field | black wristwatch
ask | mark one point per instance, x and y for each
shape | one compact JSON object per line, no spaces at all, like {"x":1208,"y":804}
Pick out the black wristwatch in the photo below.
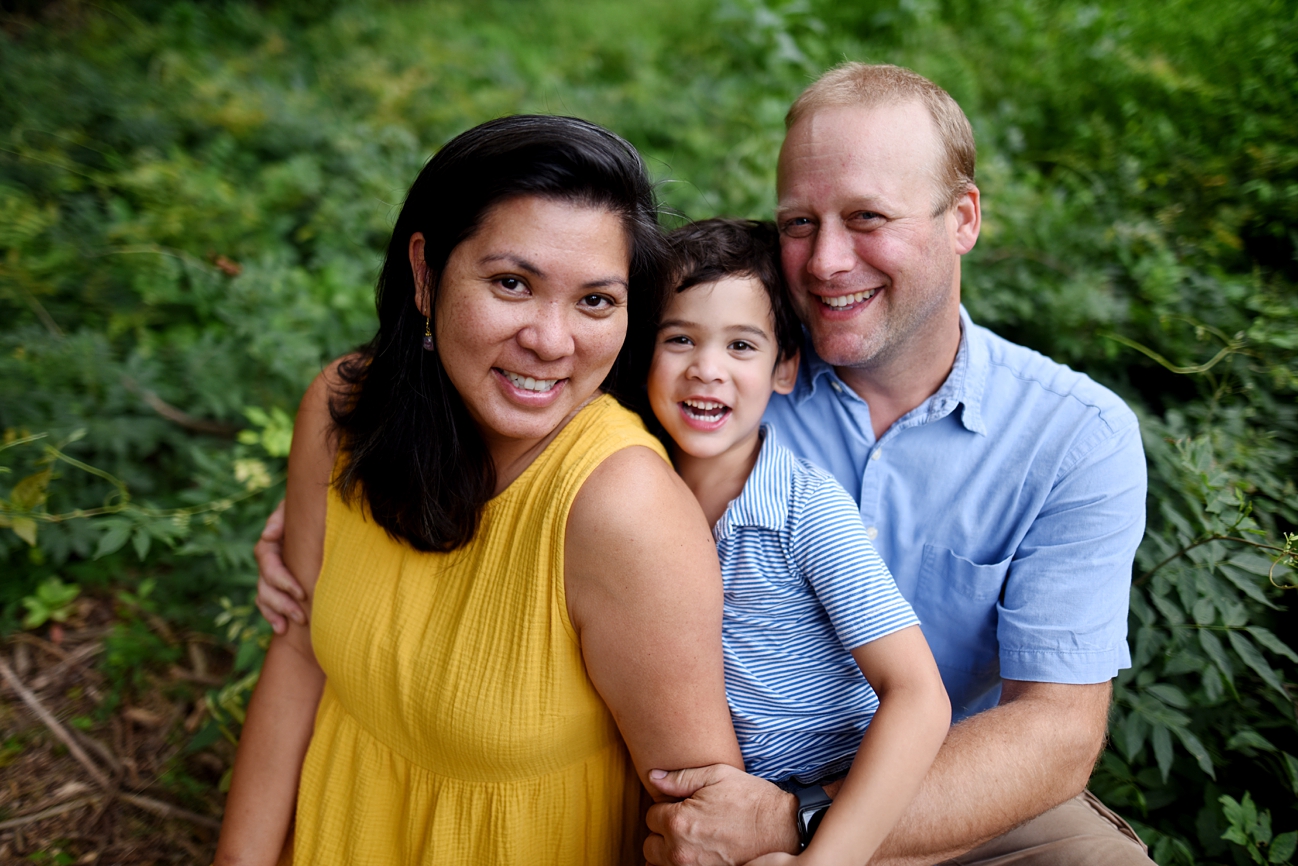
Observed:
{"x":813,"y":803}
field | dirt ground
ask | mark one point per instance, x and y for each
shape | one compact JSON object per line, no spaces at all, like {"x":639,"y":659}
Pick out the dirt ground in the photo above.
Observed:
{"x":103,"y":772}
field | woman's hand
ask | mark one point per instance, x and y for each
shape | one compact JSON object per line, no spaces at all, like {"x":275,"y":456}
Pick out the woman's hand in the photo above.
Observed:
{"x":278,"y":592}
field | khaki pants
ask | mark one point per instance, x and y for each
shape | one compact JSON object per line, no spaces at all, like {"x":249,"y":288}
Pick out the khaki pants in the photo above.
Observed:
{"x":1081,"y":832}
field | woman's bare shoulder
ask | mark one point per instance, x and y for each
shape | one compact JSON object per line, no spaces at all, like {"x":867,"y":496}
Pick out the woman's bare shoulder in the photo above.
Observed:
{"x":636,"y":493}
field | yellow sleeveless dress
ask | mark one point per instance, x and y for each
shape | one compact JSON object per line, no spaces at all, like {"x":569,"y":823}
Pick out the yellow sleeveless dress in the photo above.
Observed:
{"x":457,"y":724}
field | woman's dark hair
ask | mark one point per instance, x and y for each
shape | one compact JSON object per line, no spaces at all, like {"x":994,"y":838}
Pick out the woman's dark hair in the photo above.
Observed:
{"x":711,"y":250}
{"x":408,"y":443}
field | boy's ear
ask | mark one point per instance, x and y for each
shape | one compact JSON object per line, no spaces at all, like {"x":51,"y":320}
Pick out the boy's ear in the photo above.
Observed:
{"x":786,"y":374}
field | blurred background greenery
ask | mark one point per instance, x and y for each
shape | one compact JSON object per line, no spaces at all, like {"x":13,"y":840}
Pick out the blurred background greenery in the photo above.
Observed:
{"x":194,"y":198}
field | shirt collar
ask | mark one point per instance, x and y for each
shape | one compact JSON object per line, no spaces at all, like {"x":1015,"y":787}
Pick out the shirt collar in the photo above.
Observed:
{"x":963,"y":386}
{"x":764,"y":501}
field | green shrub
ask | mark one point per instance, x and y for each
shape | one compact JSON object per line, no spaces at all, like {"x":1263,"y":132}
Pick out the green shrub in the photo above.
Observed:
{"x":194,"y":199}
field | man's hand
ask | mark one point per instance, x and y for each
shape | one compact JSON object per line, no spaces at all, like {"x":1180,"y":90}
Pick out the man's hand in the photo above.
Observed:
{"x":729,"y":817}
{"x":278,"y":592}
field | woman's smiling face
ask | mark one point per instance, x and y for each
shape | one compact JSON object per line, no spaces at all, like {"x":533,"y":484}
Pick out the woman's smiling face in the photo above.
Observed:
{"x":531,"y":312}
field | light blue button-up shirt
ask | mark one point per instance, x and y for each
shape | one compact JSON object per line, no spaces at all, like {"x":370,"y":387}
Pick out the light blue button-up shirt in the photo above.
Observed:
{"x":1008,"y":506}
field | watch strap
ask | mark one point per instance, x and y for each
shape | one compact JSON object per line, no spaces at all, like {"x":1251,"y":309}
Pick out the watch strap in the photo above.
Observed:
{"x":813,"y":802}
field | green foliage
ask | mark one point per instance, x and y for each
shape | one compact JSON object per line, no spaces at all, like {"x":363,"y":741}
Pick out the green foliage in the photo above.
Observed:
{"x":195,"y":198}
{"x":51,"y":601}
{"x":1251,"y":830}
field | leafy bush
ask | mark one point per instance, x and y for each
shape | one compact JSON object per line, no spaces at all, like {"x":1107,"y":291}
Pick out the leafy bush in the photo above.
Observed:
{"x":194,"y":198}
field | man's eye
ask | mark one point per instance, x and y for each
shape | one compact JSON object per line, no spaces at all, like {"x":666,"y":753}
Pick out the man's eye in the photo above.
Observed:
{"x":797,"y":227}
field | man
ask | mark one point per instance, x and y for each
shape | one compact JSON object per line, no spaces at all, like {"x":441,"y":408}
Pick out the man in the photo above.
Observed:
{"x":1005,"y":493}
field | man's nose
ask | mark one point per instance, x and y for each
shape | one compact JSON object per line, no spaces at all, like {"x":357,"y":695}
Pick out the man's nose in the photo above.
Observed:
{"x":548,"y":335}
{"x":832,"y":252}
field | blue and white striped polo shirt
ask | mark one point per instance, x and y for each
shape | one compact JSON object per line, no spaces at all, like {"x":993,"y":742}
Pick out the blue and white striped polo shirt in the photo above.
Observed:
{"x":803,"y":587}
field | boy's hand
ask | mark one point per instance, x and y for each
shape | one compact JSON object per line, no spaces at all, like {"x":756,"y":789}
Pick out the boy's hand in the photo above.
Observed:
{"x":278,"y":592}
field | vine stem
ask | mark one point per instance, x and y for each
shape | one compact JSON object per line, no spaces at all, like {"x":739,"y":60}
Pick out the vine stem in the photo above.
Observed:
{"x":1202,"y":541}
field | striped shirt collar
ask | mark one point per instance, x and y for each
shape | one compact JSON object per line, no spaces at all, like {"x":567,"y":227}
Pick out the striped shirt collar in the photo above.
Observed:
{"x":963,"y":386}
{"x":764,"y":501}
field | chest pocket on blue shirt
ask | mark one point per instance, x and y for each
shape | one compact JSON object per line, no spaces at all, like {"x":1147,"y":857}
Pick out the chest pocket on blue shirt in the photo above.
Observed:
{"x":955,"y":600}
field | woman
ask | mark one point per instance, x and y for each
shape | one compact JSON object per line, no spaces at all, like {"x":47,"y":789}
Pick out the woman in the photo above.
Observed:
{"x":512,"y":582}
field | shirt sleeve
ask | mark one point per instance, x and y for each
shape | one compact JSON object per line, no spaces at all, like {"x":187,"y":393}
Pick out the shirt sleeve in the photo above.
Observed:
{"x":835,"y":556}
{"x":1062,"y":616}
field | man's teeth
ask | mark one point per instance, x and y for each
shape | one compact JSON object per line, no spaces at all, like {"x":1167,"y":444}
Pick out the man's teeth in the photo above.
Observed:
{"x":848,"y":300}
{"x":704,"y":410}
{"x":527,"y":383}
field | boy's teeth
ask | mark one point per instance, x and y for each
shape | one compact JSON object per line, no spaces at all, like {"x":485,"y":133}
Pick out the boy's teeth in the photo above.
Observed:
{"x":527,"y":383}
{"x":704,"y":410}
{"x":848,"y":300}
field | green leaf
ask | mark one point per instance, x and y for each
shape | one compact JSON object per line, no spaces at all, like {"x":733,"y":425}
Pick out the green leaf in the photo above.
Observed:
{"x":1249,"y":738}
{"x":1162,"y":742}
{"x":1282,"y":849}
{"x":31,"y":492}
{"x":1291,"y":765}
{"x":116,"y":534}
{"x":141,"y":540}
{"x":1169,"y":694}
{"x":1194,"y":746}
{"x":1255,"y":660}
{"x":1271,"y":642}
{"x":24,"y":528}
{"x":1212,"y":646}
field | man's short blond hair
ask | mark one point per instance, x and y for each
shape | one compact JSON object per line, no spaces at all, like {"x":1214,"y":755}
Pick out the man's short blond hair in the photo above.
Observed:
{"x":869,"y":85}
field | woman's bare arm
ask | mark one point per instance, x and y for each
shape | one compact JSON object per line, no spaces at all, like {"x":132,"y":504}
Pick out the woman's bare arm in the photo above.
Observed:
{"x":644,"y":595}
{"x":281,"y":714}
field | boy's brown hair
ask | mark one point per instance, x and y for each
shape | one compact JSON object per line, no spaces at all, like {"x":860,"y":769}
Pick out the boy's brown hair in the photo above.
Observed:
{"x":713,"y":249}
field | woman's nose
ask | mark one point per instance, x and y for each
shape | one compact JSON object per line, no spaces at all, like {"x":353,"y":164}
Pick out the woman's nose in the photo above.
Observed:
{"x":548,"y":335}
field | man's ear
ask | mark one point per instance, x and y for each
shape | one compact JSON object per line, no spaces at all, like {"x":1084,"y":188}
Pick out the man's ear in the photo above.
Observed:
{"x":786,"y":374}
{"x":968,"y":215}
{"x":419,"y":269}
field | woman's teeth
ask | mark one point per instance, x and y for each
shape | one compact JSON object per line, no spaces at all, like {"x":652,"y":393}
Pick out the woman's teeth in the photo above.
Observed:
{"x":848,"y":300}
{"x":704,"y":410}
{"x":527,"y":383}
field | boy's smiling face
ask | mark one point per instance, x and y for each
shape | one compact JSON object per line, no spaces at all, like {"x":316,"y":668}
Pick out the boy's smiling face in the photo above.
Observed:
{"x":715,"y":366}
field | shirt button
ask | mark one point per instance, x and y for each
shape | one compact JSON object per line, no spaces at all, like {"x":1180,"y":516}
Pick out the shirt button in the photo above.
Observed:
{"x":875,"y":455}
{"x":872,"y":533}
{"x":838,"y":389}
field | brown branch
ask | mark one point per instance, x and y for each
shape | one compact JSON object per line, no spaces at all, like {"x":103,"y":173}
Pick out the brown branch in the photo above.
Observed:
{"x":179,"y":416}
{"x":1184,"y":550}
{"x":73,"y":659}
{"x":166,"y":810}
{"x":74,"y":748}
{"x":52,"y":812}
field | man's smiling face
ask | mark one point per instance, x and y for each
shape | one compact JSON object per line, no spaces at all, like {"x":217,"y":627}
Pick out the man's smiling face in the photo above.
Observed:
{"x":872,"y":270}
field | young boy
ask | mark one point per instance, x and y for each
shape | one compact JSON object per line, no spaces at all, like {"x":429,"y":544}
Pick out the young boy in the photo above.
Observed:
{"x":809,"y":605}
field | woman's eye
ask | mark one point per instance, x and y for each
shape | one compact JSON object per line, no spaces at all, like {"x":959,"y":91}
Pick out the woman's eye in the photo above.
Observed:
{"x":511,"y":284}
{"x":597,"y":302}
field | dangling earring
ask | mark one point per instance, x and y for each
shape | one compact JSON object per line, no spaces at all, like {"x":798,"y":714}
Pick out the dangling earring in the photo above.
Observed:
{"x":428,"y":334}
